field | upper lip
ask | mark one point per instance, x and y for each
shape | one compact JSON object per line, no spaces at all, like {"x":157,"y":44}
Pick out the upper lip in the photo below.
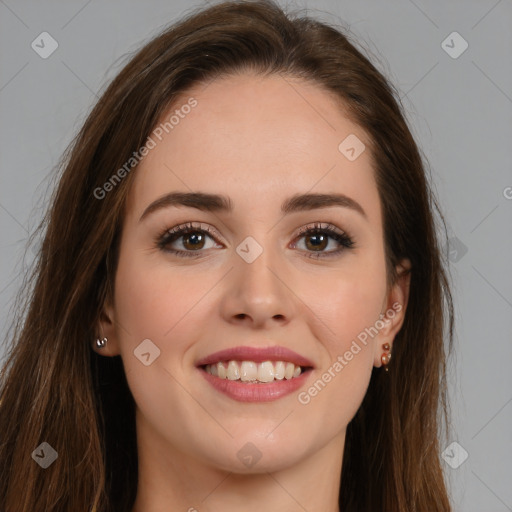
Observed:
{"x":257,"y":355}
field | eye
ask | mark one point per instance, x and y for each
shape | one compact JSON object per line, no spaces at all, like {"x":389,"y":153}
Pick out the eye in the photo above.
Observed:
{"x":193,"y":239}
{"x":319,"y":235}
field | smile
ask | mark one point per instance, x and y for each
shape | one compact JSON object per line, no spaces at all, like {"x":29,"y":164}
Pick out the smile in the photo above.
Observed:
{"x":249,"y":371}
{"x":255,"y":374}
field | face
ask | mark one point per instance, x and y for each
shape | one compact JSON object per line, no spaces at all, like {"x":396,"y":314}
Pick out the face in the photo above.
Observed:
{"x":304,"y":284}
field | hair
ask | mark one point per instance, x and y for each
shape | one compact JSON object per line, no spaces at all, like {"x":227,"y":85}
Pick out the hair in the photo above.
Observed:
{"x":55,"y":388}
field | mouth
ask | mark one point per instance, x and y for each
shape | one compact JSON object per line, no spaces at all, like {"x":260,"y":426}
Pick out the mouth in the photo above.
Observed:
{"x":248,"y":374}
{"x":255,"y":373}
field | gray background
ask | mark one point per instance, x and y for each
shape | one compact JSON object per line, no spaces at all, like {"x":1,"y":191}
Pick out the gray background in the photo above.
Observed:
{"x":460,"y":110}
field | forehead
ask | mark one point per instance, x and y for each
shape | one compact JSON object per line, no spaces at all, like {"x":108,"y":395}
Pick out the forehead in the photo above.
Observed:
{"x":256,"y":139}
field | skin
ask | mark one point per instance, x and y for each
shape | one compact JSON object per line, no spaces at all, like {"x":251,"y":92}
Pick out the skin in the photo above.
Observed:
{"x":258,"y":140}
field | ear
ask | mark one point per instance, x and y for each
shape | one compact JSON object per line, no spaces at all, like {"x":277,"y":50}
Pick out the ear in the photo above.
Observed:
{"x":393,"y":312}
{"x":107,"y":329}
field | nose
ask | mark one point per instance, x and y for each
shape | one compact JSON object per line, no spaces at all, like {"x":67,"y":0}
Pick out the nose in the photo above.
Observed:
{"x":257,"y":293}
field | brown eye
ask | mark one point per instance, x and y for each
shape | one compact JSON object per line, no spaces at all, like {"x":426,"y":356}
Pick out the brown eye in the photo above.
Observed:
{"x":189,"y":241}
{"x":193,"y":240}
{"x":317,"y":239}
{"x":185,"y":240}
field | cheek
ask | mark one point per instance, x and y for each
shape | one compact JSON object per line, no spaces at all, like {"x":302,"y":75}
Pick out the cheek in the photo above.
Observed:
{"x":349,"y":304}
{"x":151,"y":305}
{"x":152,"y":300}
{"x":351,"y":308}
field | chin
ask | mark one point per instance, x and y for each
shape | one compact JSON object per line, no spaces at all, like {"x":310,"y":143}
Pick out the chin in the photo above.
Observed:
{"x":255,"y":454}
{"x":268,"y":463}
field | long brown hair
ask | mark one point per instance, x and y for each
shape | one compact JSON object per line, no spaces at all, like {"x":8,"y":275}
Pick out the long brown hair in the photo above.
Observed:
{"x":56,"y":389}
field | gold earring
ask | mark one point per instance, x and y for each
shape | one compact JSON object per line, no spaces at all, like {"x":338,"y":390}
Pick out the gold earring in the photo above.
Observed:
{"x":386,"y":356}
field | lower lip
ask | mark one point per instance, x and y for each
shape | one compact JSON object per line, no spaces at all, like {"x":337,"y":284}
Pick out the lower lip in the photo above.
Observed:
{"x":249,"y":392}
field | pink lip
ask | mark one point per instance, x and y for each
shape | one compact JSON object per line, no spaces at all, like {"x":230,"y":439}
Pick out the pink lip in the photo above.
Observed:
{"x":258,"y":355}
{"x":256,"y":392}
{"x":248,"y":392}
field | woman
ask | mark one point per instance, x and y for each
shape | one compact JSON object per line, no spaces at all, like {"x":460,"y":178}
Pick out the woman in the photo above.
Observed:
{"x":240,"y":298}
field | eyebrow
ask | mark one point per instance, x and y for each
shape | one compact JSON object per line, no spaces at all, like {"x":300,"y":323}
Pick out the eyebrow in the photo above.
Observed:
{"x":219,"y":203}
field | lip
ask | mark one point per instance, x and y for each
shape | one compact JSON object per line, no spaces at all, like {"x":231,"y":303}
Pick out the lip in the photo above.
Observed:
{"x":257,"y":355}
{"x":263,"y":392}
{"x":256,"y":392}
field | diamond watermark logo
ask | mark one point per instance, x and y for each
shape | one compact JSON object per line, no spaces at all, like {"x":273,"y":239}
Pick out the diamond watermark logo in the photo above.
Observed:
{"x":249,"y":249}
{"x":44,"y":45}
{"x":456,"y":249}
{"x":351,"y":147}
{"x":454,"y":455}
{"x":44,"y":455}
{"x":146,"y":352}
{"x":249,"y":455}
{"x":454,"y":45}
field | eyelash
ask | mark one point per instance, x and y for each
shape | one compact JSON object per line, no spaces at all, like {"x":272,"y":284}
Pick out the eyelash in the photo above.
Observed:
{"x":170,"y":235}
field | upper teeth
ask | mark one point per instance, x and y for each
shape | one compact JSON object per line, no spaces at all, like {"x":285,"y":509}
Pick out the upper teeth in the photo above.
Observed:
{"x":250,"y":371}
